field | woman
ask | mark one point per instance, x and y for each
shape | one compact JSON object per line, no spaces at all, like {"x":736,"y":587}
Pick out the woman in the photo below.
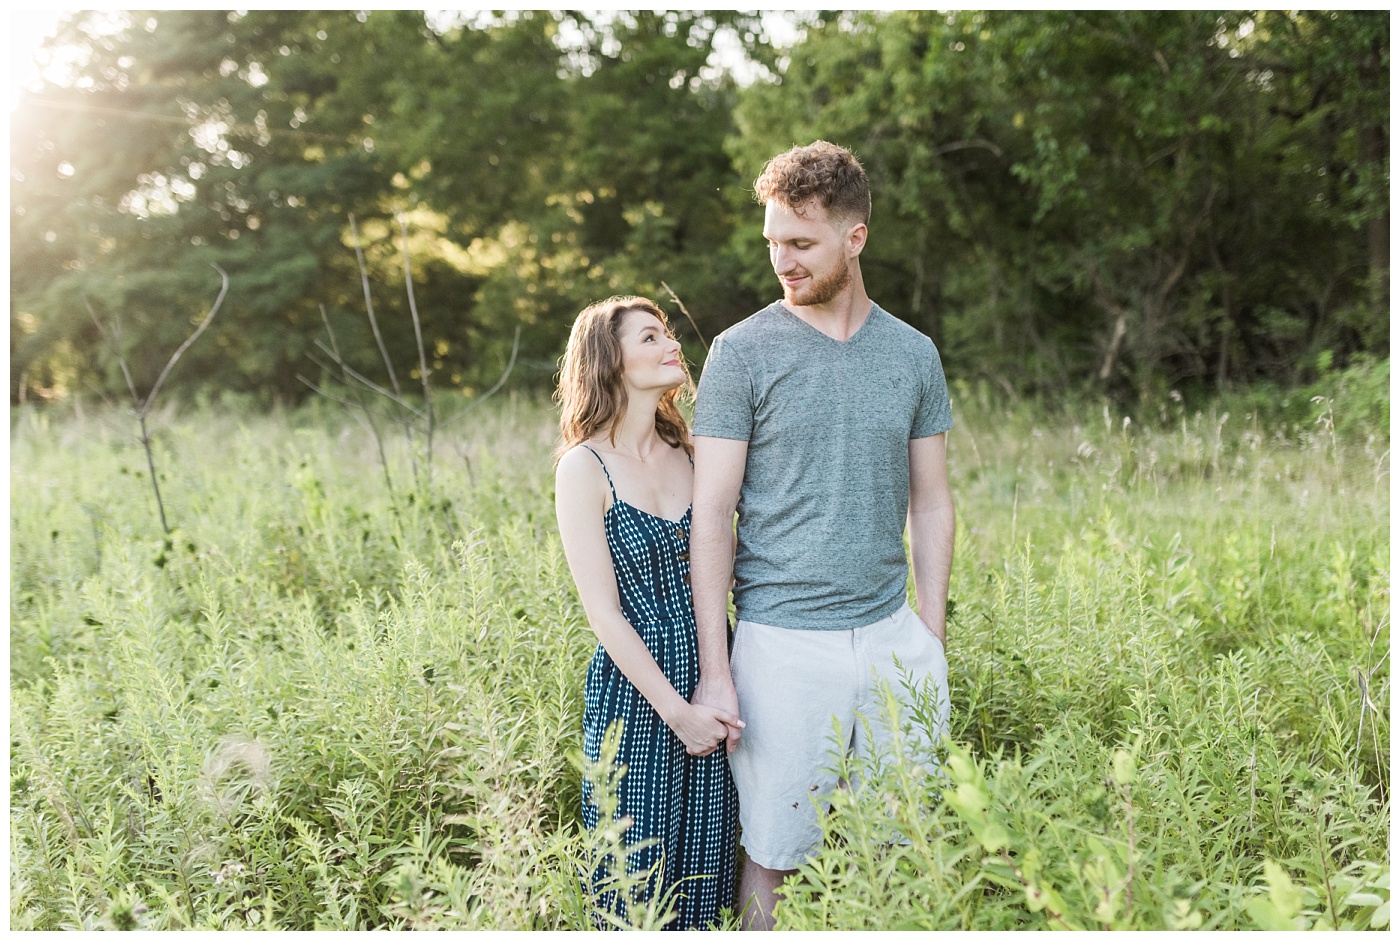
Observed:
{"x":622,"y":495}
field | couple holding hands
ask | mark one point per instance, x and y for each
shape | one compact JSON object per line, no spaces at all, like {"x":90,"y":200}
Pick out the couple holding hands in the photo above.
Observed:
{"x":820,"y":420}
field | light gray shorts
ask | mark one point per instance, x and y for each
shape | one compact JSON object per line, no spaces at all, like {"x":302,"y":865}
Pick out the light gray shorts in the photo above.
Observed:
{"x":791,"y":685}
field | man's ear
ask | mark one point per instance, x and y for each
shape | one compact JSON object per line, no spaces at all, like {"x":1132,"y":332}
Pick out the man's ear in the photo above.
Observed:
{"x":855,"y":239}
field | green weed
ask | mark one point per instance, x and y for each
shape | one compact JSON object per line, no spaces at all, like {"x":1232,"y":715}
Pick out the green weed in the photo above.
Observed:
{"x":317,"y":705}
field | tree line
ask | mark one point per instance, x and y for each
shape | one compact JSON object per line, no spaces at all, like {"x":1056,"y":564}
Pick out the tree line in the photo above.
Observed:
{"x":1134,"y":201}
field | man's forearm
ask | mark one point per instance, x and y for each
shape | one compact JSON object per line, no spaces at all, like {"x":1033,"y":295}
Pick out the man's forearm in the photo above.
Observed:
{"x":931,"y":547}
{"x":711,"y":573}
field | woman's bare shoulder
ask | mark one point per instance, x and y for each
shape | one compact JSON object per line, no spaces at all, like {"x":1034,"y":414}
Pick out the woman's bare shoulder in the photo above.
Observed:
{"x":579,"y":466}
{"x":580,"y":486}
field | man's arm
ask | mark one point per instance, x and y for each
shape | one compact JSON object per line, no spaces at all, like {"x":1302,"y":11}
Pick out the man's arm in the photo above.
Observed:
{"x":931,"y":528}
{"x":580,"y":500}
{"x":719,"y":473}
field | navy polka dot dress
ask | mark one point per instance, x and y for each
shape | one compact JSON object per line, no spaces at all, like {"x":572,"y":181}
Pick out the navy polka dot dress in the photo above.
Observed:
{"x":688,"y":805}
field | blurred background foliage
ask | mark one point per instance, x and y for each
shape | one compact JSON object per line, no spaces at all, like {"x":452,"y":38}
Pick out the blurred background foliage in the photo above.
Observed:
{"x":1131,"y":202}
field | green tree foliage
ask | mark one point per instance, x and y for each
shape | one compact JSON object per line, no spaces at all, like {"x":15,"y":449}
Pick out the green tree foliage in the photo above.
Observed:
{"x":1132,"y":197}
{"x":175,"y":149}
{"x":1129,"y":199}
{"x":541,"y":161}
{"x":601,"y":172}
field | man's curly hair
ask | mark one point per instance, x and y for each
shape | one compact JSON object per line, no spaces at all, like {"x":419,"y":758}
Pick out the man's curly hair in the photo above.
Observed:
{"x":820,"y":170}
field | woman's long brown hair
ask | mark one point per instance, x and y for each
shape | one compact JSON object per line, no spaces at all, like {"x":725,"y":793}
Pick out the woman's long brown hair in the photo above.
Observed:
{"x":591,"y":393}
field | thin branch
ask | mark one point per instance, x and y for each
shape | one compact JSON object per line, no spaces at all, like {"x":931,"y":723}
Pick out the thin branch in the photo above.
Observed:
{"x":367,"y":418}
{"x":335,"y":355}
{"x":319,"y":390}
{"x":330,"y":331}
{"x":413,"y":309}
{"x":514,"y":349}
{"x":1120,"y":326}
{"x":151,"y":465}
{"x":422,"y":352}
{"x":387,"y":413}
{"x":668,"y":290}
{"x":143,"y":407}
{"x":361,"y":414}
{"x":203,"y":324}
{"x":367,"y":382}
{"x":139,"y":409}
{"x":114,"y":343}
{"x":979,"y":142}
{"x":369,"y":306}
{"x":96,"y":390}
{"x":391,"y":414}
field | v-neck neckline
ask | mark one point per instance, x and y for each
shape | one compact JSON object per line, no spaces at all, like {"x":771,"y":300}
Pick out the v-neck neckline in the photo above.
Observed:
{"x":826,"y":336}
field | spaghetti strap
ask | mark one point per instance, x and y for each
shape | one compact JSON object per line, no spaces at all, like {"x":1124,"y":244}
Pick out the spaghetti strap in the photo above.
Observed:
{"x":605,"y":470}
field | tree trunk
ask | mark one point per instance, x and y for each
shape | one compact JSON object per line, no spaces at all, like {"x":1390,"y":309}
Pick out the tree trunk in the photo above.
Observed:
{"x":1371,"y":142}
{"x":1120,"y":329}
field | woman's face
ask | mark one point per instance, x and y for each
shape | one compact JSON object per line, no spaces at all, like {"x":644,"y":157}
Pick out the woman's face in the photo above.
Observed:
{"x":651,"y":358}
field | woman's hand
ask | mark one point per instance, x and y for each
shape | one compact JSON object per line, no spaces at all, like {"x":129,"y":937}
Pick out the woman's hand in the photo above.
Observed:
{"x":702,"y":729}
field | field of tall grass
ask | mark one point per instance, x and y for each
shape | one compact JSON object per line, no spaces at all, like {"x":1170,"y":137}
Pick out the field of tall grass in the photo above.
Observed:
{"x":317,"y":705}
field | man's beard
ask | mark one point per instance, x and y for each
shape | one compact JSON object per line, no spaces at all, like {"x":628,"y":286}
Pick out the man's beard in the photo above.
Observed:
{"x":821,"y":291}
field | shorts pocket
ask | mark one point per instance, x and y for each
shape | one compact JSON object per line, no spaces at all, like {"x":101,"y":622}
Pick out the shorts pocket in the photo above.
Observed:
{"x":927,"y":649}
{"x":942,"y":650}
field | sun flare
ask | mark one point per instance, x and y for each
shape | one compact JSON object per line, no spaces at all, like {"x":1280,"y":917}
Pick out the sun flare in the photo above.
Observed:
{"x":27,"y":31}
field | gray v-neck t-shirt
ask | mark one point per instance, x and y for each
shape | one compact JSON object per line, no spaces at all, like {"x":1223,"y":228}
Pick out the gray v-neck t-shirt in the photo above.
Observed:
{"x":826,"y":486}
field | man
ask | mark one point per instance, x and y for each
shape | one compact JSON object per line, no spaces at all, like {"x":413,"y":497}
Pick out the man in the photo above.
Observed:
{"x":821,"y":419}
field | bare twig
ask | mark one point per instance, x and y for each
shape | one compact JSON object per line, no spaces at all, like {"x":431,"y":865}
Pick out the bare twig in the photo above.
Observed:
{"x":395,"y":416}
{"x":107,"y":401}
{"x":369,"y":305}
{"x":514,"y":349}
{"x":203,"y":325}
{"x":114,"y":341}
{"x":330,"y":331}
{"x":981,"y":142}
{"x":350,"y":406}
{"x":422,"y":355}
{"x":1120,"y":326}
{"x":367,"y":382}
{"x":142,"y":406}
{"x":420,"y":423}
{"x":368,"y":416}
{"x":679,"y":304}
{"x":364,"y":417}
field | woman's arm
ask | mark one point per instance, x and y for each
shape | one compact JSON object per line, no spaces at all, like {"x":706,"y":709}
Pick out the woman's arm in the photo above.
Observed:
{"x":580,"y":500}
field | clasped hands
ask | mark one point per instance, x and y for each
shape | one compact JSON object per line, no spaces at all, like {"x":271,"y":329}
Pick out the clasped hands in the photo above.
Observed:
{"x":702,"y":728}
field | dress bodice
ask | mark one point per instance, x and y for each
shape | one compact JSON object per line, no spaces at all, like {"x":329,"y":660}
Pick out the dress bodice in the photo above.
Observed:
{"x":651,"y":559}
